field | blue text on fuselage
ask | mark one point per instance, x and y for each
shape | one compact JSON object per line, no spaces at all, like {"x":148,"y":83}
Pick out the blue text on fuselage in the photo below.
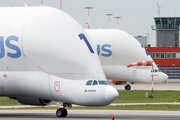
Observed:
{"x":104,"y":48}
{"x":10,"y":46}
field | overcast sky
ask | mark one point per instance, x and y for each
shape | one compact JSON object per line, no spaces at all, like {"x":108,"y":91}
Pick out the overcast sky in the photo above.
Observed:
{"x":137,"y":16}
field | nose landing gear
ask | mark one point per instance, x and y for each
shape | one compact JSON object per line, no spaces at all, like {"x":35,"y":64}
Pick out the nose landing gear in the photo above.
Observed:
{"x":62,"y":112}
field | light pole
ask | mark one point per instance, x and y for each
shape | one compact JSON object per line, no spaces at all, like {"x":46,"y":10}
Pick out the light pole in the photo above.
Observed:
{"x":109,"y":19}
{"x":61,"y":4}
{"x":88,"y":14}
{"x":117,"y":21}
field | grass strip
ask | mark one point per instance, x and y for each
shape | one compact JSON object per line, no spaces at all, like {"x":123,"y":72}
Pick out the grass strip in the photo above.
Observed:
{"x":139,"y":96}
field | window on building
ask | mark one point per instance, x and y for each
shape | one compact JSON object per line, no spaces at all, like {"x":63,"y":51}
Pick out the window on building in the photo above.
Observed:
{"x":152,"y":55}
{"x":173,"y":55}
{"x":164,"y":23}
{"x":157,"y":55}
{"x":171,"y":23}
{"x":177,"y":55}
{"x":168,"y":55}
{"x":177,"y":23}
{"x":158,"y":23}
{"x":162,"y":55}
{"x":176,"y":40}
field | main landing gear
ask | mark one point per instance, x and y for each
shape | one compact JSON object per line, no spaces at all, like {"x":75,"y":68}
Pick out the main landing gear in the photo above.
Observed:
{"x":62,"y":112}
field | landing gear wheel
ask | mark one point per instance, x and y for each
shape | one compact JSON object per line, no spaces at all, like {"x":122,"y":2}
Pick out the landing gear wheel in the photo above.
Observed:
{"x":127,"y":87}
{"x":61,"y":112}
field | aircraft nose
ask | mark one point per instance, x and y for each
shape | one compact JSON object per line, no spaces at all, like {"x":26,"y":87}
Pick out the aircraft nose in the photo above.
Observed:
{"x":165,"y":76}
{"x":162,"y":77}
{"x":111,"y":94}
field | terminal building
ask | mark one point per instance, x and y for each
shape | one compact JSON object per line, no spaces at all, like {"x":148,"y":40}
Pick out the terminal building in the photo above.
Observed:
{"x":167,"y":59}
{"x":167,"y":53}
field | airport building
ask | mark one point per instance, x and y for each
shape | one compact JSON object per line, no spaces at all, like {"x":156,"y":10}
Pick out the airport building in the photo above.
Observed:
{"x":167,"y":59}
{"x":167,"y":31}
{"x":167,"y":53}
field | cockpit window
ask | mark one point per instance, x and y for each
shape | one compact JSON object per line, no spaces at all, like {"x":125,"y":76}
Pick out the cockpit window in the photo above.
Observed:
{"x":154,"y":70}
{"x":95,"y":82}
{"x":102,"y":82}
{"x":89,"y":82}
{"x":107,"y":83}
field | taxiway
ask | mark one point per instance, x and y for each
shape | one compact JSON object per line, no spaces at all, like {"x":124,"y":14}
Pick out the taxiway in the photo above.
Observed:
{"x":89,"y":115}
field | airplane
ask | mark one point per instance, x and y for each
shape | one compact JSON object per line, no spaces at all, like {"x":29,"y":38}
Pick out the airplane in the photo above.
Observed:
{"x":117,"y":49}
{"x":46,"y":56}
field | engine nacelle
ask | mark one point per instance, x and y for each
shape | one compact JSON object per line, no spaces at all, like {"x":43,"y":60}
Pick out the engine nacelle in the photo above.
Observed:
{"x":34,"y":101}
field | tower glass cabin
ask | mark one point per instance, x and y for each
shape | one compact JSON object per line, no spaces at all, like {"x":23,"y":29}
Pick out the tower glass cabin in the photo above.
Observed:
{"x":167,"y":31}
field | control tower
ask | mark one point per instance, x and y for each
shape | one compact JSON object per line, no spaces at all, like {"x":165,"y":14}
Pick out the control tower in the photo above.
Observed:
{"x":167,"y":31}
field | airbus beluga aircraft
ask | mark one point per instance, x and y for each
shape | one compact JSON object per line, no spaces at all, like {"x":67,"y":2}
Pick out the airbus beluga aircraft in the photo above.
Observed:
{"x":118,"y":49}
{"x":46,"y":56}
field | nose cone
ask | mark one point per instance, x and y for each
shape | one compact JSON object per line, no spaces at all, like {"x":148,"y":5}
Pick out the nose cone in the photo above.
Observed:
{"x":111,"y":94}
{"x":165,"y":77}
{"x":162,"y":77}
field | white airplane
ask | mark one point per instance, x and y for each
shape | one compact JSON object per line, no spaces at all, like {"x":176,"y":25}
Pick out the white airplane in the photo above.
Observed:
{"x":46,"y":56}
{"x":116,"y":50}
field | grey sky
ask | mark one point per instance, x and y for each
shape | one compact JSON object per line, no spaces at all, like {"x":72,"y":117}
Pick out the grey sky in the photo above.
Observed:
{"x":137,"y":16}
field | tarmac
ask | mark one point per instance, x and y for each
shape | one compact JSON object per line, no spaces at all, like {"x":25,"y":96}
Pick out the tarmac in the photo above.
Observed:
{"x":90,"y":115}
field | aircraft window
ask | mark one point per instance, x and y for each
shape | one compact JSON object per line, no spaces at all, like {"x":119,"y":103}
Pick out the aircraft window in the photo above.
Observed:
{"x":95,"y":82}
{"x":107,"y":83}
{"x":155,"y":70}
{"x":159,"y":71}
{"x":89,"y":82}
{"x":102,"y":82}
